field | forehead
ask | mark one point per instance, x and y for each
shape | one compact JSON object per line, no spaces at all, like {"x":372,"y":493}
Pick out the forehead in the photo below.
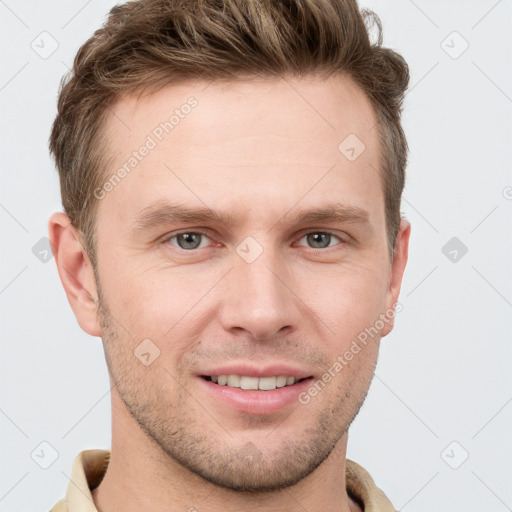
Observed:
{"x":258,"y":106}
{"x":278,"y":139}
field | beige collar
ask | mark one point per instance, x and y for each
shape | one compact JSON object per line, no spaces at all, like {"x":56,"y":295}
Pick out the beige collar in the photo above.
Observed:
{"x":90,"y":466}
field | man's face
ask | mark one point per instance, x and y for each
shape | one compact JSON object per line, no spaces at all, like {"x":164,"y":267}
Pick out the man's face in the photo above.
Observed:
{"x":258,"y":289}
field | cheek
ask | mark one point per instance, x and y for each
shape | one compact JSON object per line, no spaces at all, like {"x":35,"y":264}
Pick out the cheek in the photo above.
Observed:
{"x":348,"y":299}
{"x":162,"y":304}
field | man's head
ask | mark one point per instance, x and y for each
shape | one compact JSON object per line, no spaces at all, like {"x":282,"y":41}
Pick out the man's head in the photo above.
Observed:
{"x":236,"y":175}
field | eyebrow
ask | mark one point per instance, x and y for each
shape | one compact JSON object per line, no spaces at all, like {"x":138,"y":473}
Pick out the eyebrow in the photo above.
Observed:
{"x":328,"y":214}
{"x":163,"y":213}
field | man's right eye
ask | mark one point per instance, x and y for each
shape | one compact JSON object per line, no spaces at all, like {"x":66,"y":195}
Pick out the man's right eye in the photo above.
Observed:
{"x":187,"y":240}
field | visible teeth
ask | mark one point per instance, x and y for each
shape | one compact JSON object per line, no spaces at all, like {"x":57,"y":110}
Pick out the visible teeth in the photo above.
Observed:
{"x":281,"y":381}
{"x":267,"y":383}
{"x":249,"y":382}
{"x":262,"y":383}
{"x":234,"y":381}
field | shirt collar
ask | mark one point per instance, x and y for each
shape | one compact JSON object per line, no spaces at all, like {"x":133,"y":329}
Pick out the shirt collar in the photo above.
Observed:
{"x":90,"y":466}
{"x":88,"y":471}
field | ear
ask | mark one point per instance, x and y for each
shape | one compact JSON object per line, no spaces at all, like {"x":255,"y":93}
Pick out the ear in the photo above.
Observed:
{"x":75,"y":271}
{"x":397,"y":272}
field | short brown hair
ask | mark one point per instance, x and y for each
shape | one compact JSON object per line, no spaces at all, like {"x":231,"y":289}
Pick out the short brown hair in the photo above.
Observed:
{"x":147,"y":44}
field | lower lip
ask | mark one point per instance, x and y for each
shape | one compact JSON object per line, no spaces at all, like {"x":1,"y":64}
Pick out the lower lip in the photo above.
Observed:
{"x":257,"y":402}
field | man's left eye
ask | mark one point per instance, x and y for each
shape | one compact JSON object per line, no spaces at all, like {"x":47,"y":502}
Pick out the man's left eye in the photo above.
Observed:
{"x":320,"y":239}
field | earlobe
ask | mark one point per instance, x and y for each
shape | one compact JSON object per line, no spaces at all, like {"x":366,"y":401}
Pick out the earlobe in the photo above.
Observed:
{"x":75,"y":271}
{"x":397,"y":272}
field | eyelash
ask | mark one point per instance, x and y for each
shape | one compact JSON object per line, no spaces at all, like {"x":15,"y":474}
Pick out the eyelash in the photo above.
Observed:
{"x":169,"y":238}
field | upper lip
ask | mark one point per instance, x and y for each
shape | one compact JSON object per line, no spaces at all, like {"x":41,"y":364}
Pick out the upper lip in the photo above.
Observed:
{"x":249,"y":370}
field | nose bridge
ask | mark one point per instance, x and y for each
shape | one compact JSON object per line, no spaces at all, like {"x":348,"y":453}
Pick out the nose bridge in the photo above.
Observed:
{"x":257,"y":299}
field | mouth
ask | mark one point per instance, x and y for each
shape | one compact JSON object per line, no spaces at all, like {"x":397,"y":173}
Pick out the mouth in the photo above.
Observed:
{"x":245,"y":388}
{"x":251,"y":383}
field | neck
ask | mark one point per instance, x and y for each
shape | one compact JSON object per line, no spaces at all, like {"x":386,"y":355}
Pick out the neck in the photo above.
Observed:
{"x":140,"y":476}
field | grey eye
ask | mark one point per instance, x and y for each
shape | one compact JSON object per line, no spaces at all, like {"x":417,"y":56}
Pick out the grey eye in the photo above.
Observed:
{"x":189,"y":240}
{"x":319,"y":240}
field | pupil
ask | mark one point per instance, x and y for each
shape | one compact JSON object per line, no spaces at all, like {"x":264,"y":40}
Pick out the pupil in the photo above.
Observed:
{"x":319,"y":239}
{"x":190,"y":240}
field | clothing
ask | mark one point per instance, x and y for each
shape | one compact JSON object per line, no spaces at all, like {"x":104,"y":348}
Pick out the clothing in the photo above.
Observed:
{"x":90,"y":467}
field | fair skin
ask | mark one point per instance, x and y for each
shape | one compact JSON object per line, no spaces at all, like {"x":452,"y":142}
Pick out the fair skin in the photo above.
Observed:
{"x":258,"y":152}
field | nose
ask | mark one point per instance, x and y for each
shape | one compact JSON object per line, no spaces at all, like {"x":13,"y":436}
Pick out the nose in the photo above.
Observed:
{"x":258,"y":298}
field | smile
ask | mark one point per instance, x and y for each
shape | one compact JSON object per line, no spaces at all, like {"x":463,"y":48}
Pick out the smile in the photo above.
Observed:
{"x":246,"y":382}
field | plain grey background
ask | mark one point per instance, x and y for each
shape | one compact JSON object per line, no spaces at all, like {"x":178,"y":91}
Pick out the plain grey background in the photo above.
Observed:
{"x":435,"y":430}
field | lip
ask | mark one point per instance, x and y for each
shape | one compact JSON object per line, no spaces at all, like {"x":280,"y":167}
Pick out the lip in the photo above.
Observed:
{"x":256,"y":402}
